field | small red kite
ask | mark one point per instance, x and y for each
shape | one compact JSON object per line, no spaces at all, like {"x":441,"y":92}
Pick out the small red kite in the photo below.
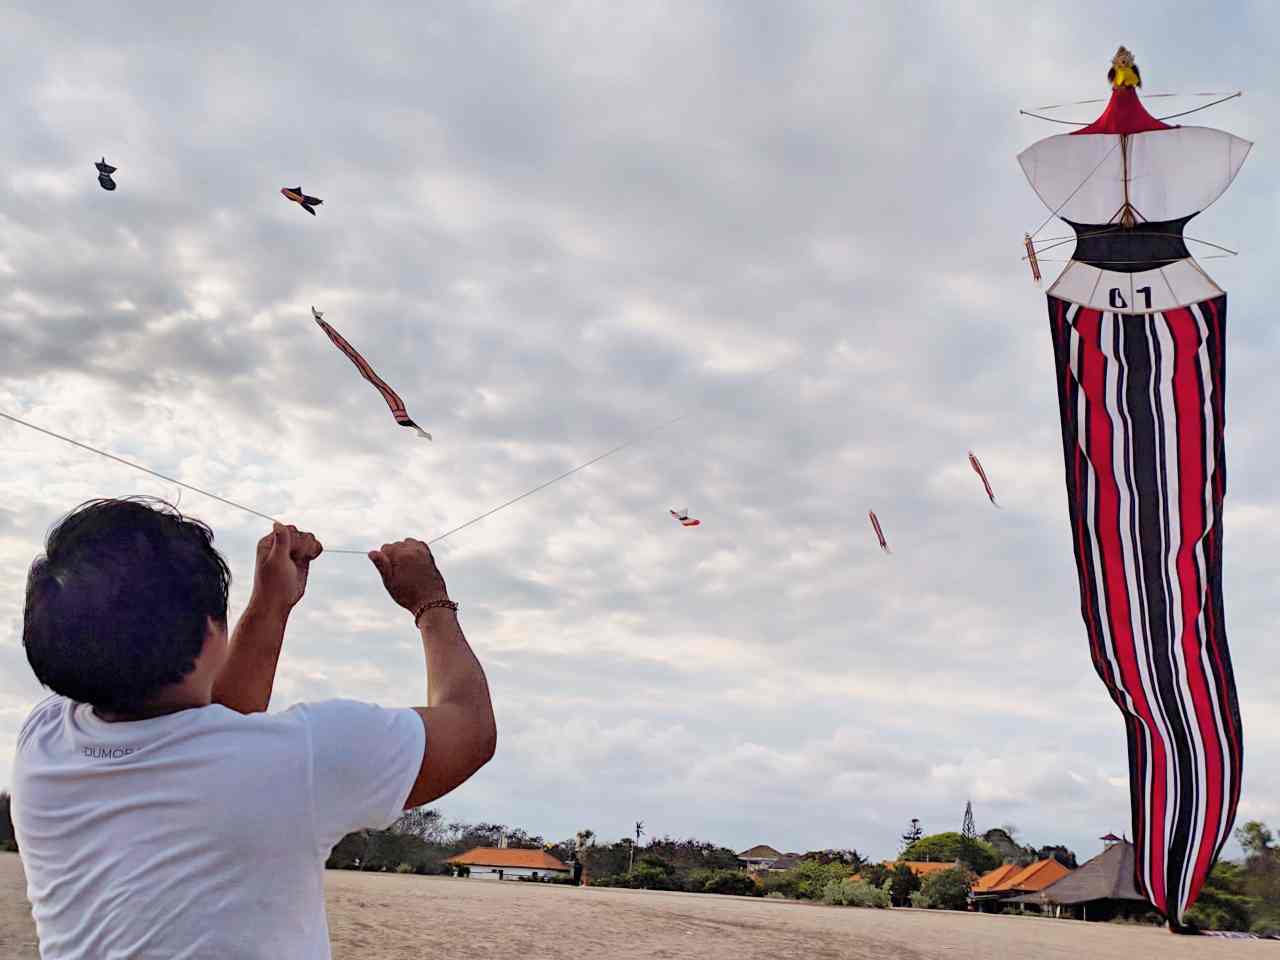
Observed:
{"x":684,"y":518}
{"x":875,"y":525}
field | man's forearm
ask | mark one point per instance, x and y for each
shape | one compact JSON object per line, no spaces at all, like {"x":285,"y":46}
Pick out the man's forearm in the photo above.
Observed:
{"x":247,"y":678}
{"x":454,"y":674}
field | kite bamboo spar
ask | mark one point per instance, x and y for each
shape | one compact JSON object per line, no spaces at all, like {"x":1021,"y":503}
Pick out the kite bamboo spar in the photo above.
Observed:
{"x":257,"y":513}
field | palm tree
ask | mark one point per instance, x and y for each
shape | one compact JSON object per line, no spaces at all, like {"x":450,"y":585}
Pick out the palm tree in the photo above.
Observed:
{"x":639,"y":833}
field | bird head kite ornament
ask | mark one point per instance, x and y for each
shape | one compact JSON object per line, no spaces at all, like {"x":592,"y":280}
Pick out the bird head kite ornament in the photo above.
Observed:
{"x":1139,"y":336}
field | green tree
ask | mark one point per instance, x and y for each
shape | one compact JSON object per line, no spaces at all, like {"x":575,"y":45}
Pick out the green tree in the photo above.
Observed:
{"x":348,"y":853}
{"x":978,"y":855}
{"x":1006,"y":847}
{"x":850,"y":857}
{"x":902,"y":883}
{"x":874,"y":873}
{"x":913,"y":834}
{"x":1223,"y":903}
{"x":947,"y":889}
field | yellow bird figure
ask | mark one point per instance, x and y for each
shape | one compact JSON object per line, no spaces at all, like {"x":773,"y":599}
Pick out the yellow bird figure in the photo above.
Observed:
{"x":1124,"y":72}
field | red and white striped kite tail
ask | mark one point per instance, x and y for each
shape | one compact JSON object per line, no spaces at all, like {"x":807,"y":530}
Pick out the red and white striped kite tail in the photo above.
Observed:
{"x":875,"y":525}
{"x":1141,"y":398}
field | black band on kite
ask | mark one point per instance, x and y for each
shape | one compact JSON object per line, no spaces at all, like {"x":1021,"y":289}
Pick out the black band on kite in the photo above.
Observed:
{"x":1143,"y":246}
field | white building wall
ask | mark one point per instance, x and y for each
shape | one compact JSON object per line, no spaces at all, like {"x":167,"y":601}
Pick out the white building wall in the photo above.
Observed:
{"x":511,"y":873}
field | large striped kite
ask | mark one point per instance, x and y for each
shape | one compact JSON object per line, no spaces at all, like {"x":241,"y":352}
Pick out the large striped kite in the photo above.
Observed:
{"x":1139,"y":334}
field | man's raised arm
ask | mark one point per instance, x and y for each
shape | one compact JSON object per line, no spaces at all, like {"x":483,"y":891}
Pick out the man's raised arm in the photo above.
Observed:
{"x":279,"y":581}
{"x":461,"y":732}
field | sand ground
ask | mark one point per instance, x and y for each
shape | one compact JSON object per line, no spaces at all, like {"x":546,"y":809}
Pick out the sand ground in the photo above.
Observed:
{"x":383,"y":916}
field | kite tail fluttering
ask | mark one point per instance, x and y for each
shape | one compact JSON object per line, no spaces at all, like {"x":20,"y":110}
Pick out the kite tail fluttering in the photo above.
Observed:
{"x":390,"y":396}
{"x":875,"y":525}
{"x":1139,"y":337}
{"x":982,"y":474}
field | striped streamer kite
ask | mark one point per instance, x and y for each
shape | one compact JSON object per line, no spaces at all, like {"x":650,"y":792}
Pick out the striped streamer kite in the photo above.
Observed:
{"x":392,"y":398}
{"x":875,"y":525}
{"x":982,"y":475}
{"x":1139,"y":335}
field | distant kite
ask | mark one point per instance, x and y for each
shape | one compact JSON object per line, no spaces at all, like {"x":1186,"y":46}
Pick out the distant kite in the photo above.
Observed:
{"x":684,"y":518}
{"x":393,"y":399}
{"x":297,"y":196}
{"x":105,"y":170}
{"x":875,"y":525}
{"x":986,"y":484}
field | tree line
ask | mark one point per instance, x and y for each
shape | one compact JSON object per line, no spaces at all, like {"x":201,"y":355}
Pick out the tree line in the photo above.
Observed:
{"x":1239,"y":895}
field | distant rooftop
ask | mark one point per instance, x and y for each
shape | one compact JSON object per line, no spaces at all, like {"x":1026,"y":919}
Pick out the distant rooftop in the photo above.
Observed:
{"x":509,"y":858}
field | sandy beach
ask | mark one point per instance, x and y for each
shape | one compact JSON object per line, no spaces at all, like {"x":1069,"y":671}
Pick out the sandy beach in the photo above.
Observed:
{"x":384,"y":916}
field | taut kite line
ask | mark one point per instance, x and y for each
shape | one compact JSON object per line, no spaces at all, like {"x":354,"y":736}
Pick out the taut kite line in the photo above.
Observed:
{"x":257,"y":513}
{"x":1139,"y":339}
{"x":393,"y":399}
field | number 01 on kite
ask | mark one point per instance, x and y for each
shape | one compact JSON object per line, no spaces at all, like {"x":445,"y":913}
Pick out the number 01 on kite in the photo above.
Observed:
{"x":1139,"y":336}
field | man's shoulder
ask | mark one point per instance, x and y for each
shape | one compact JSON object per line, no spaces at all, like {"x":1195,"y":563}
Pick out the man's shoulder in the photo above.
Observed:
{"x":49,"y":711}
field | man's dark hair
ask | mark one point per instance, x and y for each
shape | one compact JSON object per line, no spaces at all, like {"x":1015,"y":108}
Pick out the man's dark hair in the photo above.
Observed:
{"x":118,"y":606}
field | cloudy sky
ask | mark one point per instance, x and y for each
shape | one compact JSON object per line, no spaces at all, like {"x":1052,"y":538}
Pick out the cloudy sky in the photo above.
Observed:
{"x":553,"y":226}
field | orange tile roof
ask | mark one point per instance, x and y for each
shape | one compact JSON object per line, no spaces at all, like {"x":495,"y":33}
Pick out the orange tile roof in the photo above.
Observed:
{"x":509,"y":857}
{"x":993,"y":878}
{"x":1032,"y":878}
{"x":922,"y":868}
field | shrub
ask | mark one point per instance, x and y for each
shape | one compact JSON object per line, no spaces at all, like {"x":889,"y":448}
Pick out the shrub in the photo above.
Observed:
{"x":645,"y":876}
{"x":854,"y":893}
{"x":730,"y":882}
{"x":405,"y":868}
{"x":1267,"y":927}
{"x":776,"y":895}
{"x":902,"y":883}
{"x":874,"y":873}
{"x":920,"y":900}
{"x":946,"y":889}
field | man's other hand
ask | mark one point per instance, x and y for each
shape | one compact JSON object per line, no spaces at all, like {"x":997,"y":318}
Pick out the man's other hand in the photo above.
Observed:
{"x":409,"y":573}
{"x":284,"y":557}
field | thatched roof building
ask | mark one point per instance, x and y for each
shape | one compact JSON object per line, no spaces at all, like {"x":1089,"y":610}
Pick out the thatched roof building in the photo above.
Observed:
{"x":1100,"y":889}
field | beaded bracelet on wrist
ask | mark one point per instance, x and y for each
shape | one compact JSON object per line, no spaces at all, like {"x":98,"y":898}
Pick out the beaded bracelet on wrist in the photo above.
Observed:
{"x":431,"y":605}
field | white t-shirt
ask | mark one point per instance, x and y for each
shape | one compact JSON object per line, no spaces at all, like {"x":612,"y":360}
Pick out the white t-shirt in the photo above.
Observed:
{"x":202,"y":833}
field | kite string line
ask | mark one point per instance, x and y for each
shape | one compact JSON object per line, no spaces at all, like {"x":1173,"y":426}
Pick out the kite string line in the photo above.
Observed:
{"x":1170,"y":116}
{"x":542,"y":486}
{"x":257,"y":513}
{"x":137,"y":466}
